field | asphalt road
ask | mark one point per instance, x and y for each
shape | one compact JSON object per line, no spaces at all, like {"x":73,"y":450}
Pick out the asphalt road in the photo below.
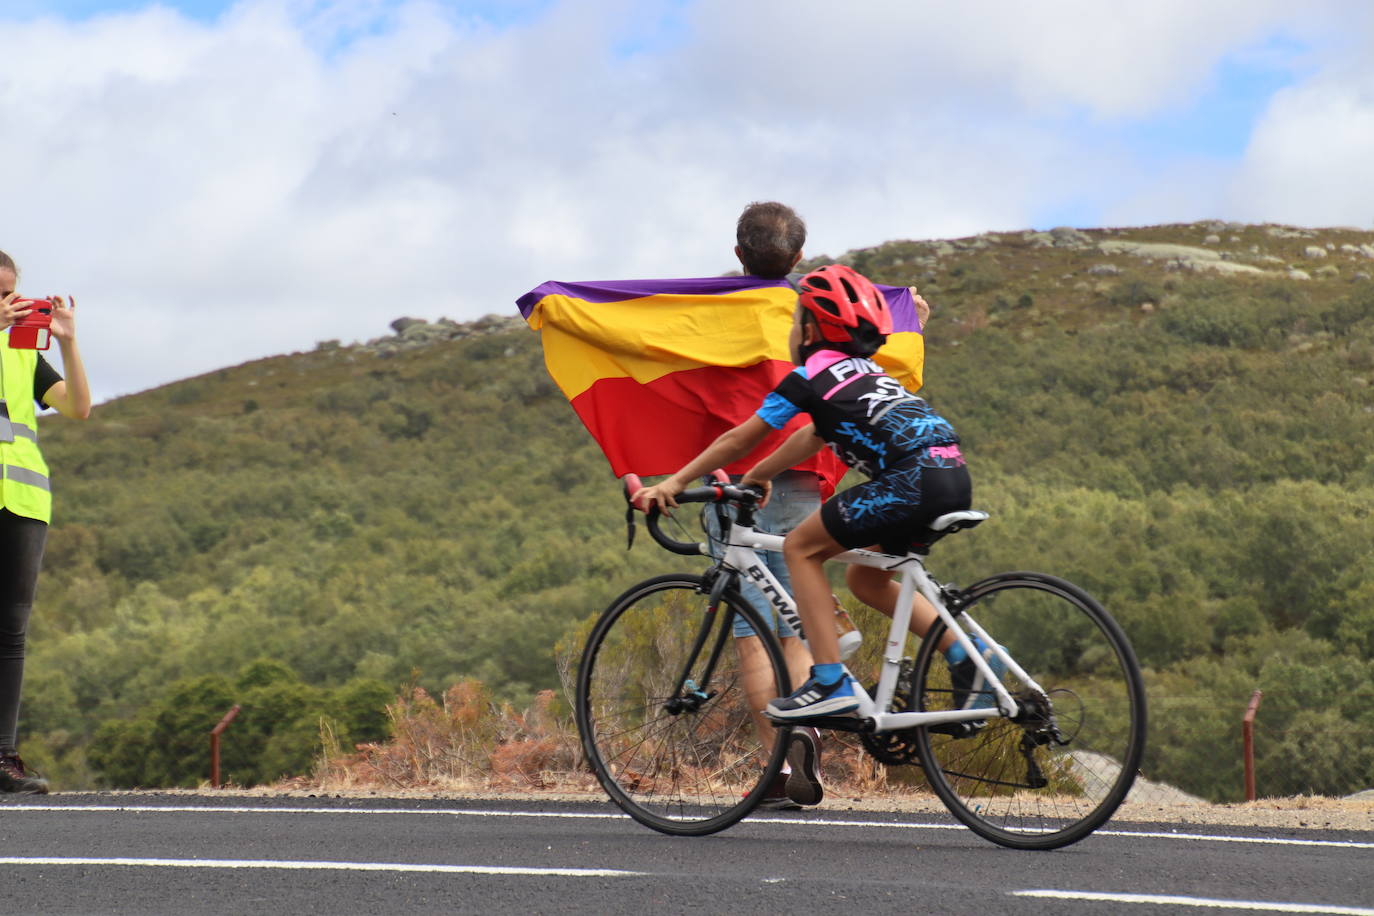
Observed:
{"x":150,"y":854}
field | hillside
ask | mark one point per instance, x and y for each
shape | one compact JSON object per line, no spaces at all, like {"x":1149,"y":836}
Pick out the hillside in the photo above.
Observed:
{"x":1177,"y":417}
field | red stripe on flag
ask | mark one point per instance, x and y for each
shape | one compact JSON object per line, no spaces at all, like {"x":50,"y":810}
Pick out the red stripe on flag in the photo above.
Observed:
{"x":658,"y":427}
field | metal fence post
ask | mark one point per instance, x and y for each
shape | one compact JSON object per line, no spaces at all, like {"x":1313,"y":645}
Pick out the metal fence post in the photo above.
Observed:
{"x":1247,"y":731}
{"x":214,"y":744}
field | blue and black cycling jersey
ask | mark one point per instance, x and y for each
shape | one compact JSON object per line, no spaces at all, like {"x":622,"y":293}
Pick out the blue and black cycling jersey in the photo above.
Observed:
{"x":872,"y":422}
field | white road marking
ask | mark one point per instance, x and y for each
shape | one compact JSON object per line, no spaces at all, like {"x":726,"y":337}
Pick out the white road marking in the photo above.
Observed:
{"x":1205,"y":902}
{"x":292,"y":865}
{"x":595,"y":815}
{"x":1223,"y":838}
{"x":1154,"y":835}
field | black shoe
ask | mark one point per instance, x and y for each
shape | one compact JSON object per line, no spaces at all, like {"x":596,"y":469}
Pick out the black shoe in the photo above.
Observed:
{"x":775,"y":799}
{"x":804,"y":757}
{"x":14,"y":778}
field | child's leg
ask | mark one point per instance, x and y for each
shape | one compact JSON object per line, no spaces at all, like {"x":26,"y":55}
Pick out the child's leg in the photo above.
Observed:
{"x":806,"y":549}
{"x":829,"y":690}
{"x":876,"y":588}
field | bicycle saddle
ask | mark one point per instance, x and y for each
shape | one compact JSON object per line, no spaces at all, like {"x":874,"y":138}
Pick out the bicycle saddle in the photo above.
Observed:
{"x":951,"y":522}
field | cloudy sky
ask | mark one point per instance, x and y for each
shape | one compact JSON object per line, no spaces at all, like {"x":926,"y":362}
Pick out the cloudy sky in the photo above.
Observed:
{"x":219,"y":180}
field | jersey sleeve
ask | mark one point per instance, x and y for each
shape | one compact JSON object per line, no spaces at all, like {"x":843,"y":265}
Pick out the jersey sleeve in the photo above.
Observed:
{"x":785,"y":401}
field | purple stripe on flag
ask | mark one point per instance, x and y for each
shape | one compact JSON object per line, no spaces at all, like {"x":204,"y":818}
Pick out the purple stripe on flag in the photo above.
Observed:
{"x":903,"y":308}
{"x":898,"y":297}
{"x":620,"y":290}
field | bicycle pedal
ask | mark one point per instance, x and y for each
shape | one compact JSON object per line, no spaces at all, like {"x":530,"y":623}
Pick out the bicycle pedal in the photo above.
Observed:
{"x":845,"y":723}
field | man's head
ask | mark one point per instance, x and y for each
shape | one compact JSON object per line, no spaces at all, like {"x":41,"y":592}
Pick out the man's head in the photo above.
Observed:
{"x":770,"y":237}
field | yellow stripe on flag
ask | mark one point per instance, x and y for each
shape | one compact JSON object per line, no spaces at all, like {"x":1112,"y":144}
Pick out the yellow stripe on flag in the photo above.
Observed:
{"x":649,"y":337}
{"x":904,"y":358}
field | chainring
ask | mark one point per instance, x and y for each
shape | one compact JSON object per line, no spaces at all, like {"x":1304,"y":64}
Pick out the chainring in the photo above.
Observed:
{"x":896,"y":748}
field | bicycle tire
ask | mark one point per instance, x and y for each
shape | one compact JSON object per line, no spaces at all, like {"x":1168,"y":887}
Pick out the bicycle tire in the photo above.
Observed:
{"x":1009,"y":781}
{"x":685,"y":772}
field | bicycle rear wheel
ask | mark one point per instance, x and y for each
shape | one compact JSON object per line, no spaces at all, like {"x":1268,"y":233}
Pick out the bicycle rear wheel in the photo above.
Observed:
{"x":1058,"y":771}
{"x":662,"y":708}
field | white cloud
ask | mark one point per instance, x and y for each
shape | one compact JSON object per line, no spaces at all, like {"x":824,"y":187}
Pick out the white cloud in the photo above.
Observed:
{"x":215,"y":192}
{"x":1309,"y":159}
{"x":1113,"y":59}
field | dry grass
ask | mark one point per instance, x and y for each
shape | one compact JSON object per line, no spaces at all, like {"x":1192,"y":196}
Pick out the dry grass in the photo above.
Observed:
{"x":464,"y":740}
{"x":467,"y":746}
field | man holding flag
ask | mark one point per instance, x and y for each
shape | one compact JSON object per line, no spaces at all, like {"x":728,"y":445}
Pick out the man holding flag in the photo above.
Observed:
{"x":657,"y":369}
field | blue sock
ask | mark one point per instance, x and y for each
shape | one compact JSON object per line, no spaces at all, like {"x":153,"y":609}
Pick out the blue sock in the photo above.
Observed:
{"x":827,"y":674}
{"x":955,"y":653}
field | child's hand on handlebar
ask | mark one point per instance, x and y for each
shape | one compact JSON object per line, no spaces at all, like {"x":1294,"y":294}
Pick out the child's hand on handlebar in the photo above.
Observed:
{"x":765,"y":485}
{"x":660,"y":494}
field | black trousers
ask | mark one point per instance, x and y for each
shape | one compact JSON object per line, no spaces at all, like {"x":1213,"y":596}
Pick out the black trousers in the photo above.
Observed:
{"x":21,"y":554}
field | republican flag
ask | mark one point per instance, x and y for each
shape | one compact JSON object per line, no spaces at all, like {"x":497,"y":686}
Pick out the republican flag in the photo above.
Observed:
{"x":656,"y":369}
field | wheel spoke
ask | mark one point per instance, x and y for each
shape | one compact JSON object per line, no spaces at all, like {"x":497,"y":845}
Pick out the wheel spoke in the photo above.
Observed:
{"x":686,"y":772}
{"x":1024,"y":782}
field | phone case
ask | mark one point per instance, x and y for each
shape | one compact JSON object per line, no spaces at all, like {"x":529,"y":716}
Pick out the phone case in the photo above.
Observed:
{"x":27,"y":338}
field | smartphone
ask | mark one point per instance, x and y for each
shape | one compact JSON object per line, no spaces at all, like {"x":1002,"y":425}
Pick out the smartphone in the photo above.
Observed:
{"x":31,"y":332}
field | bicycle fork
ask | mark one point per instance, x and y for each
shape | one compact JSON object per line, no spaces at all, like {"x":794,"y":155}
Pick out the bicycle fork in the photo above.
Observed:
{"x":689,"y":695}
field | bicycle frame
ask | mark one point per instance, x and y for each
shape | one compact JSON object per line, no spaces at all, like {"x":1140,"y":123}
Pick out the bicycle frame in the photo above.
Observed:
{"x":741,"y":556}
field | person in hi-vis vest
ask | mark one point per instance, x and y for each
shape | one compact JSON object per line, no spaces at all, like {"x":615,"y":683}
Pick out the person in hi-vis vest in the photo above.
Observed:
{"x":26,"y":379}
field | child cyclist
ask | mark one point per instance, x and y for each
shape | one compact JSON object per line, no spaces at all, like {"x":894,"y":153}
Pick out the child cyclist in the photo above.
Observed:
{"x":909,"y":452}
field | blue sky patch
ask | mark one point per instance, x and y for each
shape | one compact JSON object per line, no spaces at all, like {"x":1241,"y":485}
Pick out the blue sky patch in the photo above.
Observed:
{"x":498,"y":13}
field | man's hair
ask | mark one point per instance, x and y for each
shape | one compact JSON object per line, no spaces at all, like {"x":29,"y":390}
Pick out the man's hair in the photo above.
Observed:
{"x":770,"y":236}
{"x":7,"y":261}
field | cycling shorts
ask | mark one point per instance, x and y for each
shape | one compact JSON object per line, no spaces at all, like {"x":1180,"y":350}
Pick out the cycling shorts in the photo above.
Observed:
{"x":896,"y":509}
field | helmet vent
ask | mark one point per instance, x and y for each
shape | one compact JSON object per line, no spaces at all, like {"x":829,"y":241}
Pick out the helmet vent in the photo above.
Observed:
{"x":830,"y":305}
{"x":849,"y":291}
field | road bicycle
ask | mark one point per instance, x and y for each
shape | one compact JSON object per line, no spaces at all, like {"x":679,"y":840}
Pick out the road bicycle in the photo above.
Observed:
{"x":1036,"y":759}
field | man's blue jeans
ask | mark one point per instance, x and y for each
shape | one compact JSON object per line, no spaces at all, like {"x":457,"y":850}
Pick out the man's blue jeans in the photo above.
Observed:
{"x":796,"y":494}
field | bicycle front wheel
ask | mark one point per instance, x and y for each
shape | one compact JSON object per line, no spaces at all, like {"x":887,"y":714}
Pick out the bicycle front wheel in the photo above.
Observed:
{"x":1059,"y":769}
{"x":664,"y":710}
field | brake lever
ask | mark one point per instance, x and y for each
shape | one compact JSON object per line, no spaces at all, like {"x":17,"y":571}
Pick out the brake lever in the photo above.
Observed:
{"x":631,"y":484}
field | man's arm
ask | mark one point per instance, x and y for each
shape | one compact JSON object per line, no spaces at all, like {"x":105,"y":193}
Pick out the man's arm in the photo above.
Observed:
{"x":922,"y":307}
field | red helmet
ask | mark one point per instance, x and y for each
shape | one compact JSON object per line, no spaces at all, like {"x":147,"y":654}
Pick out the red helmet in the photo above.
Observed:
{"x":840,"y":297}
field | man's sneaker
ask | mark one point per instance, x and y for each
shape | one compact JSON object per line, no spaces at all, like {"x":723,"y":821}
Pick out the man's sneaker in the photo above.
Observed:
{"x":14,"y":778}
{"x":971,"y":689}
{"x":804,"y":757}
{"x":776,"y":799}
{"x":813,"y":699}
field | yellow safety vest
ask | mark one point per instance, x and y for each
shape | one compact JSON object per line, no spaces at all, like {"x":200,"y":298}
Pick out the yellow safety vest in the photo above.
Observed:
{"x":24,"y":488}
